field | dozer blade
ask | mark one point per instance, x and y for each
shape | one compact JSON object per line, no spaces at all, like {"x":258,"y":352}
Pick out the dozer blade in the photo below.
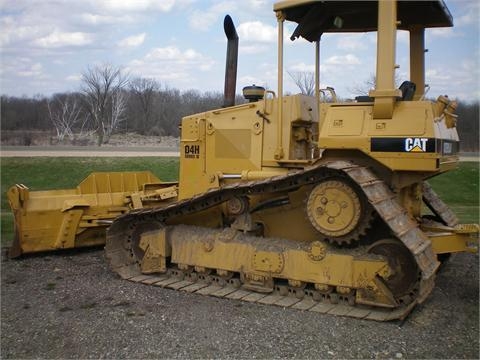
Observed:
{"x":64,"y":219}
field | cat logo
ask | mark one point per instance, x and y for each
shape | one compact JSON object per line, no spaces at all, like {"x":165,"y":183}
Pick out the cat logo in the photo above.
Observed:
{"x":416,"y":144}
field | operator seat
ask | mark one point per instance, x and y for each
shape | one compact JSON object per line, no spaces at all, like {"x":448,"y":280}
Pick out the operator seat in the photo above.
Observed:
{"x":407,"y":88}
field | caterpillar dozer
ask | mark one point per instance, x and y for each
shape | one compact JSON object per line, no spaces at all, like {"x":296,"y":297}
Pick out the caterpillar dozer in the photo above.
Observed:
{"x":306,"y":203}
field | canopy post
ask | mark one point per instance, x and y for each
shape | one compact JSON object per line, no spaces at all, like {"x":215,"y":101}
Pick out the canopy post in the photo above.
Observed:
{"x":279,"y":153}
{"x":417,"y":60}
{"x":385,"y":93}
{"x":317,"y":70}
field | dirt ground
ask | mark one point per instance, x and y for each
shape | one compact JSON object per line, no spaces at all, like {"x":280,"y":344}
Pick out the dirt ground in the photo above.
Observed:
{"x":70,"y":305}
{"x":120,"y":145}
{"x":76,"y":152}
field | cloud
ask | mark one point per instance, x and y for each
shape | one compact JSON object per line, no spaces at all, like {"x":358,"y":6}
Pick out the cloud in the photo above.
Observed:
{"x":132,"y":41}
{"x":256,"y":31}
{"x":7,"y":24}
{"x":461,"y":81}
{"x":471,"y":12}
{"x":99,"y":19}
{"x":348,"y":59}
{"x":351,"y":43}
{"x":34,"y":70}
{"x":262,"y":74}
{"x":257,"y":4}
{"x":252,"y":49}
{"x":170,"y":63}
{"x":249,"y":79}
{"x":443,"y":32}
{"x":24,"y":67}
{"x":302,"y":67}
{"x":58,"y":39}
{"x":467,"y":19}
{"x":438,"y":76}
{"x":136,"y":5}
{"x":204,"y":19}
{"x":46,"y":41}
{"x":403,"y":37}
{"x":14,"y":32}
{"x":74,"y":78}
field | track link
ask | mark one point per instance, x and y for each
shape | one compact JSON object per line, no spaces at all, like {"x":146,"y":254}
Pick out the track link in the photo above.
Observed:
{"x":283,"y":296}
{"x":438,"y":207}
{"x":119,"y":235}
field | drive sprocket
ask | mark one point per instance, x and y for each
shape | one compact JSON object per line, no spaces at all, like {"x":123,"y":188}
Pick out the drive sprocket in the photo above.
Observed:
{"x":338,"y":211}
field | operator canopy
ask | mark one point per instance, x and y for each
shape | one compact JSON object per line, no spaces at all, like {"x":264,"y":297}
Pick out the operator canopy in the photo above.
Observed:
{"x":315,"y":17}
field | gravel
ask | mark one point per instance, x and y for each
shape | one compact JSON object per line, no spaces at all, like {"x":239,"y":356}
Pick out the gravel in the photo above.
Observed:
{"x":69,"y":305}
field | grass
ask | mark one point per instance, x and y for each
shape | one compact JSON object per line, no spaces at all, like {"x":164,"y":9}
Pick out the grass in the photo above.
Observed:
{"x":459,"y":189}
{"x":47,"y":173}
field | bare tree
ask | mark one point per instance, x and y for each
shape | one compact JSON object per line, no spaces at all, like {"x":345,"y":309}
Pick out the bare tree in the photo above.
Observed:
{"x":369,"y":84}
{"x":119,"y":105}
{"x":305,"y":80}
{"x":64,"y":113}
{"x":364,"y":88}
{"x":144,"y":90}
{"x":170,"y":105}
{"x":102,"y":87}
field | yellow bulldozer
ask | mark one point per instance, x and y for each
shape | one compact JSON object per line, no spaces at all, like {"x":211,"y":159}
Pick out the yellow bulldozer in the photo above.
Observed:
{"x":292,"y":200}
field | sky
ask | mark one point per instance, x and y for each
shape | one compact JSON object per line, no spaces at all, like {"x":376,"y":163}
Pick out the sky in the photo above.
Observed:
{"x":45,"y":46}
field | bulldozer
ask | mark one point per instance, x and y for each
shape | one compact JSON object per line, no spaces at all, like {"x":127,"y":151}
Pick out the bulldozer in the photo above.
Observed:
{"x":306,"y":202}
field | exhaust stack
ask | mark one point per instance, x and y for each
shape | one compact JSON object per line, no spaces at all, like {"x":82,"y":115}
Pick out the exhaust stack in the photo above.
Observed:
{"x":231,"y":62}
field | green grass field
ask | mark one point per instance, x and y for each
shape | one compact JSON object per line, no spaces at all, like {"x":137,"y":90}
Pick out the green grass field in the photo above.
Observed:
{"x":459,"y":189}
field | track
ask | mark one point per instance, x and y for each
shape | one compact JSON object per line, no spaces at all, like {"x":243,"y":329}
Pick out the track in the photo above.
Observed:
{"x":437,"y":206}
{"x":121,"y":257}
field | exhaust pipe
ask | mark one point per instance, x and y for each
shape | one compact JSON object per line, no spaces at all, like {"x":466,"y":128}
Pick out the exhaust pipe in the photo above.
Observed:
{"x":231,"y":62}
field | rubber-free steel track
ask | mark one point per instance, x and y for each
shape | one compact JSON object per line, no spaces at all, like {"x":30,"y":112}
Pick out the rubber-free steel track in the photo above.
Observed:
{"x":406,"y":229}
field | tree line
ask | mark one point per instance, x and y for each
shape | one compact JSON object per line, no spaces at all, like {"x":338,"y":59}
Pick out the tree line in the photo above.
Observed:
{"x":467,"y":126}
{"x":108,"y":101}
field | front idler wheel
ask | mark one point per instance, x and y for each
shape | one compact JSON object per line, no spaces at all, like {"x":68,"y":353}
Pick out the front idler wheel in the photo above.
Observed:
{"x":133,"y":240}
{"x":404,"y":277}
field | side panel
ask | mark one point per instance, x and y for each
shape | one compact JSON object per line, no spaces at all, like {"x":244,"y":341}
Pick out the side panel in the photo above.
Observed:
{"x":193,"y":178}
{"x":224,"y":141}
{"x":234,"y":140}
{"x":409,"y":141}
